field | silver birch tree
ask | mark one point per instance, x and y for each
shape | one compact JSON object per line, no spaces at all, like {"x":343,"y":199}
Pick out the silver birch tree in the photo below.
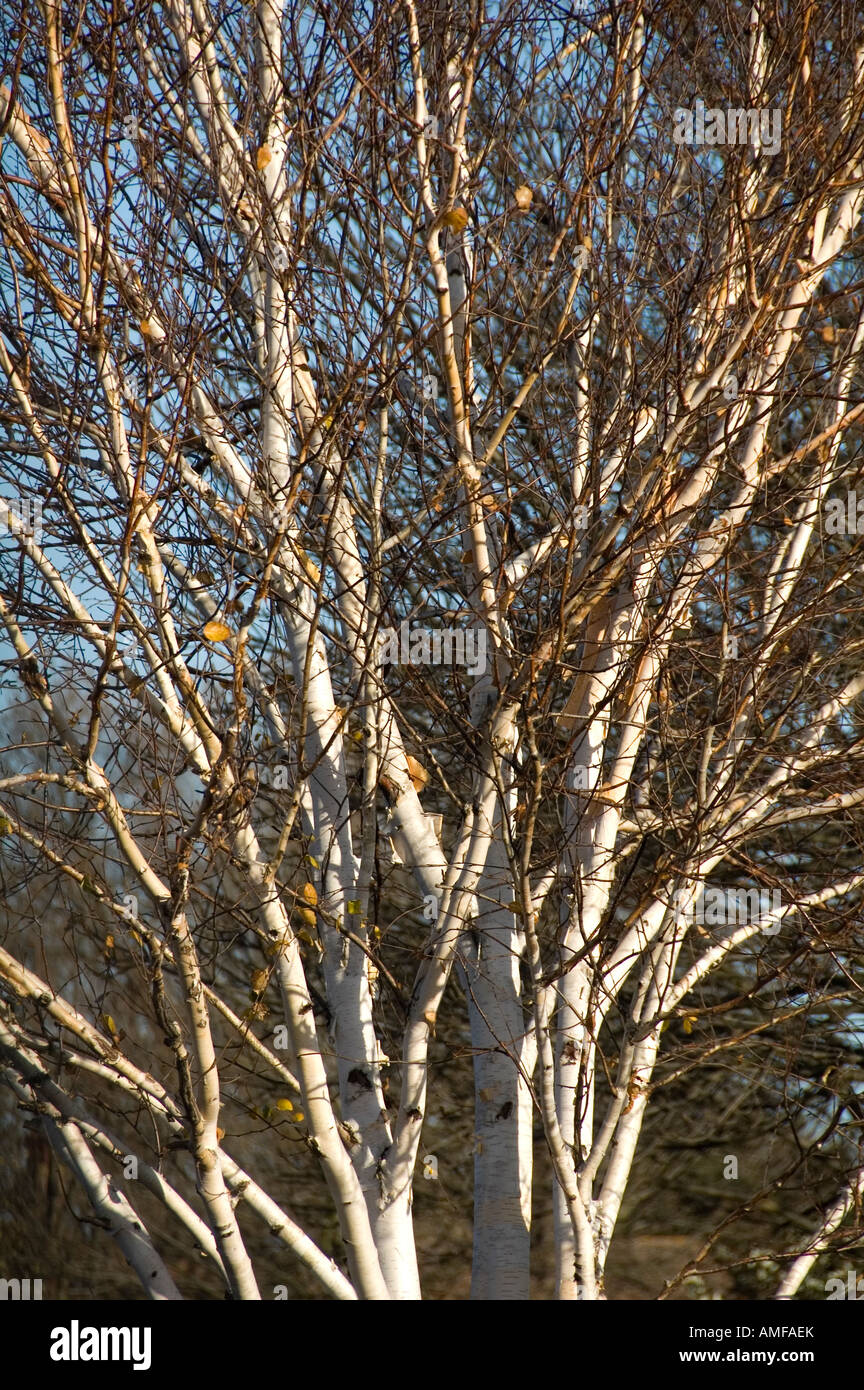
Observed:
{"x":431,"y":569}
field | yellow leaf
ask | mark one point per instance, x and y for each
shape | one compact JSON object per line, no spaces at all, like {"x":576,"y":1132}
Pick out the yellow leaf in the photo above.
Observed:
{"x":263,"y":157}
{"x":523,"y":197}
{"x":110,"y":1024}
{"x":417,"y":772}
{"x":298,"y":1117}
{"x":689,"y":1020}
{"x":306,"y":915}
{"x":456,"y":219}
{"x":215,"y":631}
{"x":284,"y":1104}
{"x":220,"y":1135}
{"x":355,"y":907}
{"x":309,"y":893}
{"x":309,"y":566}
{"x":310,"y":859}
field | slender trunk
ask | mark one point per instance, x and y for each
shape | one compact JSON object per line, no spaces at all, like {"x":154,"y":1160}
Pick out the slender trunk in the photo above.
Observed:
{"x":503,"y":1124}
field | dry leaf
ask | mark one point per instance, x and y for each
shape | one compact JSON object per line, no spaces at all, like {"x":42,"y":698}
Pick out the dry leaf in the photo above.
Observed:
{"x":312,"y":570}
{"x":310,"y":894}
{"x":215,"y":631}
{"x":456,"y":219}
{"x":523,"y":197}
{"x":417,"y":772}
{"x":263,"y":157}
